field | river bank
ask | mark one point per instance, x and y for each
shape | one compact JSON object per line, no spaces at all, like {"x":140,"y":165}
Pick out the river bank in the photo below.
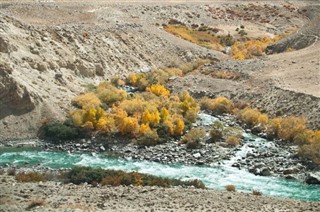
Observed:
{"x":54,"y":196}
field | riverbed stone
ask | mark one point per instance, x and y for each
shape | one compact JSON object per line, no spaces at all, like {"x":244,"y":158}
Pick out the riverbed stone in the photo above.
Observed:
{"x":313,"y":178}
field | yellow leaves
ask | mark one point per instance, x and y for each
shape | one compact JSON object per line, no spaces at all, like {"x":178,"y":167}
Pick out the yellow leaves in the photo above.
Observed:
{"x":250,"y":48}
{"x":175,"y":125}
{"x":311,"y":150}
{"x":188,"y":102}
{"x":287,"y":128}
{"x":129,"y":126}
{"x":144,"y":128}
{"x":158,"y":90}
{"x":164,"y":114}
{"x":109,"y":94}
{"x":105,"y":125}
{"x":201,"y":38}
{"x":152,"y":118}
{"x":133,"y":79}
{"x":179,"y":127}
{"x":253,"y":117}
{"x":93,"y":119}
{"x":87,"y":100}
{"x":218,"y":105}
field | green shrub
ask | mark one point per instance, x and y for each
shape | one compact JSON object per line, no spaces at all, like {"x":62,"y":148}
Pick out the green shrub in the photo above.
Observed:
{"x":78,"y":175}
{"x":57,"y":131}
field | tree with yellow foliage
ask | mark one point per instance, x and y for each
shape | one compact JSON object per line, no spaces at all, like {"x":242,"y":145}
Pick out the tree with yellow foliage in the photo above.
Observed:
{"x":174,"y":125}
{"x":158,"y":90}
{"x":287,"y":128}
{"x":152,"y":118}
{"x":88,"y":100}
{"x":87,"y":117}
{"x":164,"y":114}
{"x":129,"y":126}
{"x":144,"y":128}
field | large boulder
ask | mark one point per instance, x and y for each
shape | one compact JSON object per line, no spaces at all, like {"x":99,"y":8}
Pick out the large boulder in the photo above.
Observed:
{"x":313,"y":178}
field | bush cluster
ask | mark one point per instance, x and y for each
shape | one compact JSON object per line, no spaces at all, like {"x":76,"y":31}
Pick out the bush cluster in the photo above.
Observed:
{"x":287,"y":128}
{"x":253,"y":117}
{"x":144,"y":80}
{"x":78,"y":175}
{"x":149,"y":116}
{"x":230,"y":188}
{"x":198,"y":36}
{"x":241,"y":49}
{"x":30,"y":177}
{"x":194,"y":138}
{"x":217,"y":106}
{"x":58,"y":132}
{"x":251,"y":48}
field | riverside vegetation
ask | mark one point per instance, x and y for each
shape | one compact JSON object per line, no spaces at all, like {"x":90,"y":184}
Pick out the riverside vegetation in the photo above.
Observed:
{"x":241,"y":48}
{"x":98,"y":176}
{"x":153,"y":115}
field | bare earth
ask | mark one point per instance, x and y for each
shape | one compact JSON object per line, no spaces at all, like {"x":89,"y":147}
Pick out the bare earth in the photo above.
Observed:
{"x":17,"y":197}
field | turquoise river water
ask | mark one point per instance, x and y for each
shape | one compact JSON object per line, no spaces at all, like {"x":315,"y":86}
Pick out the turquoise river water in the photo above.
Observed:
{"x":214,"y":177}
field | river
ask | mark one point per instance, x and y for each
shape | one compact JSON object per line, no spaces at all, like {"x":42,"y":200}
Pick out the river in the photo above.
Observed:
{"x":213,"y":177}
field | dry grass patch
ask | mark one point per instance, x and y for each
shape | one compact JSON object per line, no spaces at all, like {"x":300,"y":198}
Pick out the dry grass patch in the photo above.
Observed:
{"x":230,"y":188}
{"x":30,"y":177}
{"x":199,"y":37}
{"x":218,"y":105}
{"x":233,"y":140}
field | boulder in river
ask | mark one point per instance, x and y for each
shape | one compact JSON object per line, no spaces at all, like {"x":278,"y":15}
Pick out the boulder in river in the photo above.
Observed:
{"x":313,"y":178}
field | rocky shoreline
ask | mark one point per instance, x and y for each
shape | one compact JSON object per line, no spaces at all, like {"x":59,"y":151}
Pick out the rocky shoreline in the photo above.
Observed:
{"x":264,"y":158}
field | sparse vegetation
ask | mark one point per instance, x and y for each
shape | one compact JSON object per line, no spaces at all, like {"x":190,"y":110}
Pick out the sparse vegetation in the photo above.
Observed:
{"x":242,"y":48}
{"x":233,"y":140}
{"x":256,"y":192}
{"x":78,"y":175}
{"x":217,"y":106}
{"x":30,"y":177}
{"x":35,"y":203}
{"x":287,"y":128}
{"x":194,"y":138}
{"x":199,"y":36}
{"x":11,"y":171}
{"x":253,"y":117}
{"x":252,"y":47}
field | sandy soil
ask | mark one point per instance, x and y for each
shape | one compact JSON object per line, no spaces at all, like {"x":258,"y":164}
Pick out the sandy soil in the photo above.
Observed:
{"x":58,"y":197}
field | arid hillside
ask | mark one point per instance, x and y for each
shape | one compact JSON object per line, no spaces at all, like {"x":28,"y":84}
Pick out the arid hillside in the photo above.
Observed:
{"x":50,"y":51}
